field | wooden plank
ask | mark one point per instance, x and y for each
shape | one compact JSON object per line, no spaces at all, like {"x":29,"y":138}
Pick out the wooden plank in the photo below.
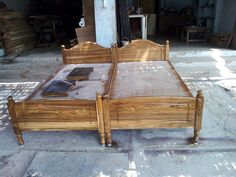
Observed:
{"x":80,"y":73}
{"x":146,"y":77}
{"x":57,"y":88}
{"x":56,"y":126}
{"x":143,"y":50}
{"x":86,"y":52}
{"x":142,"y":124}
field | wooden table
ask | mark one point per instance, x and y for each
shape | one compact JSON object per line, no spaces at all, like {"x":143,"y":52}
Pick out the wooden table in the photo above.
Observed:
{"x":194,"y":30}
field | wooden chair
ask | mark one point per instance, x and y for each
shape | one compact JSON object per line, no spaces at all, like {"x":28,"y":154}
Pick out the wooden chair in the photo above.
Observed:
{"x":86,"y":52}
{"x":143,"y":50}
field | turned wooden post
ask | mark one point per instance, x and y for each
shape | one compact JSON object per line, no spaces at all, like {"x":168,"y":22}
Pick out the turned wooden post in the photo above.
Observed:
{"x":100,"y":119}
{"x":16,"y":128}
{"x":63,"y":54}
{"x":114,"y":54}
{"x":167,"y":50}
{"x":198,"y":116}
{"x":107,"y":120}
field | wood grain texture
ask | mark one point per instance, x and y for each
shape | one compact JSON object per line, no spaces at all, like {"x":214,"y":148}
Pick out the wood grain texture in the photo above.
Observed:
{"x":198,"y":116}
{"x":150,"y":95}
{"x":152,"y":78}
{"x":100,"y":119}
{"x":86,"y":52}
{"x":124,"y":95}
{"x":75,"y":112}
{"x":143,"y":50}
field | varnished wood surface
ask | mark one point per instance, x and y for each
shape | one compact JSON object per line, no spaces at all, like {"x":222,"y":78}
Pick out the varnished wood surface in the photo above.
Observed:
{"x":153,"y":109}
{"x":118,"y":95}
{"x":56,"y":110}
{"x":86,"y":52}
{"x":137,"y":50}
{"x":143,"y":50}
{"x":153,"y":78}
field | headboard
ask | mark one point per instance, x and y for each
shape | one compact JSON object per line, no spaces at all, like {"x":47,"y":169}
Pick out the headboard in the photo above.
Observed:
{"x":143,"y":50}
{"x":137,"y":50}
{"x":86,"y":52}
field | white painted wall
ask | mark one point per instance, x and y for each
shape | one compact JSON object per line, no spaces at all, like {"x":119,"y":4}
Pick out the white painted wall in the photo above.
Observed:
{"x":18,"y":5}
{"x":225,"y":16}
{"x":105,"y":22}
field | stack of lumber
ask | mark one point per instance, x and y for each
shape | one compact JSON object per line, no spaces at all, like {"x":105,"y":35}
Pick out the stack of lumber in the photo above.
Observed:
{"x":220,"y":39}
{"x":16,"y":35}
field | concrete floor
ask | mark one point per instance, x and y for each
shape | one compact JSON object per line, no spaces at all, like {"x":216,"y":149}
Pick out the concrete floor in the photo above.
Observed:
{"x":159,"y":152}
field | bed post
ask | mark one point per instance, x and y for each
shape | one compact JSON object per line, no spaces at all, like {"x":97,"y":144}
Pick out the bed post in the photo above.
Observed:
{"x":114,"y":53}
{"x":167,"y":50}
{"x":12,"y":113}
{"x":63,"y":54}
{"x":198,"y":116}
{"x":107,"y":120}
{"x":99,"y":109}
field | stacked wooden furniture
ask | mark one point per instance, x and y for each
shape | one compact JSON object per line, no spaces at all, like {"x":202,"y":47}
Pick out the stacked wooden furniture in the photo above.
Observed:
{"x":17,"y":36}
{"x":221,"y":39}
{"x":140,"y":90}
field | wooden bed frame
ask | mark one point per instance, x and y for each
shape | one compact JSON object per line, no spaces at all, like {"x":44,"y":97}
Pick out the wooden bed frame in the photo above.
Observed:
{"x":144,"y":111}
{"x":82,"y":112}
{"x":106,"y":111}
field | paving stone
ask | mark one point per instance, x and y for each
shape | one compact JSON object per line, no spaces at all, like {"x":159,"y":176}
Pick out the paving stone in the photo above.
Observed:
{"x":78,"y":164}
{"x":185,"y":163}
{"x":14,"y":163}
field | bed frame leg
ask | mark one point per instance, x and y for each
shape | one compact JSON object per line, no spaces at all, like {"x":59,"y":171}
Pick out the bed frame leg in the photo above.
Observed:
{"x":198,"y":116}
{"x":195,"y":137}
{"x":19,"y":136}
{"x":109,"y":139}
{"x":17,"y":130}
{"x":102,"y":139}
{"x":100,"y":119}
{"x":107,"y":121}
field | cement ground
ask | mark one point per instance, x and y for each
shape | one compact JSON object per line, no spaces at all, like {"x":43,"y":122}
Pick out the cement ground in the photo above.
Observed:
{"x":149,"y":153}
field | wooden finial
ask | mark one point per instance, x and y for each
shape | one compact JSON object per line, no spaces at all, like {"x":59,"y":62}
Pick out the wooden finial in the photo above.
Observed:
{"x":114,"y":45}
{"x":199,"y":93}
{"x":10,"y":98}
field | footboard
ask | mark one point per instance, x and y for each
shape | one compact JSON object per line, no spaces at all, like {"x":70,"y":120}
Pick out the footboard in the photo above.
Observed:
{"x":45,"y":115}
{"x":153,"y":112}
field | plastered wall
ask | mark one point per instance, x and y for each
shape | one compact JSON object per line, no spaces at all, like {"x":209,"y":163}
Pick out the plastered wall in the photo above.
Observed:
{"x":105,"y":22}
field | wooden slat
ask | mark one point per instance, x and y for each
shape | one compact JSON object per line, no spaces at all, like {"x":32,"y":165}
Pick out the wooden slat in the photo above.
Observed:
{"x":46,"y":126}
{"x":149,"y":109}
{"x":143,"y":124}
{"x":54,"y":110}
